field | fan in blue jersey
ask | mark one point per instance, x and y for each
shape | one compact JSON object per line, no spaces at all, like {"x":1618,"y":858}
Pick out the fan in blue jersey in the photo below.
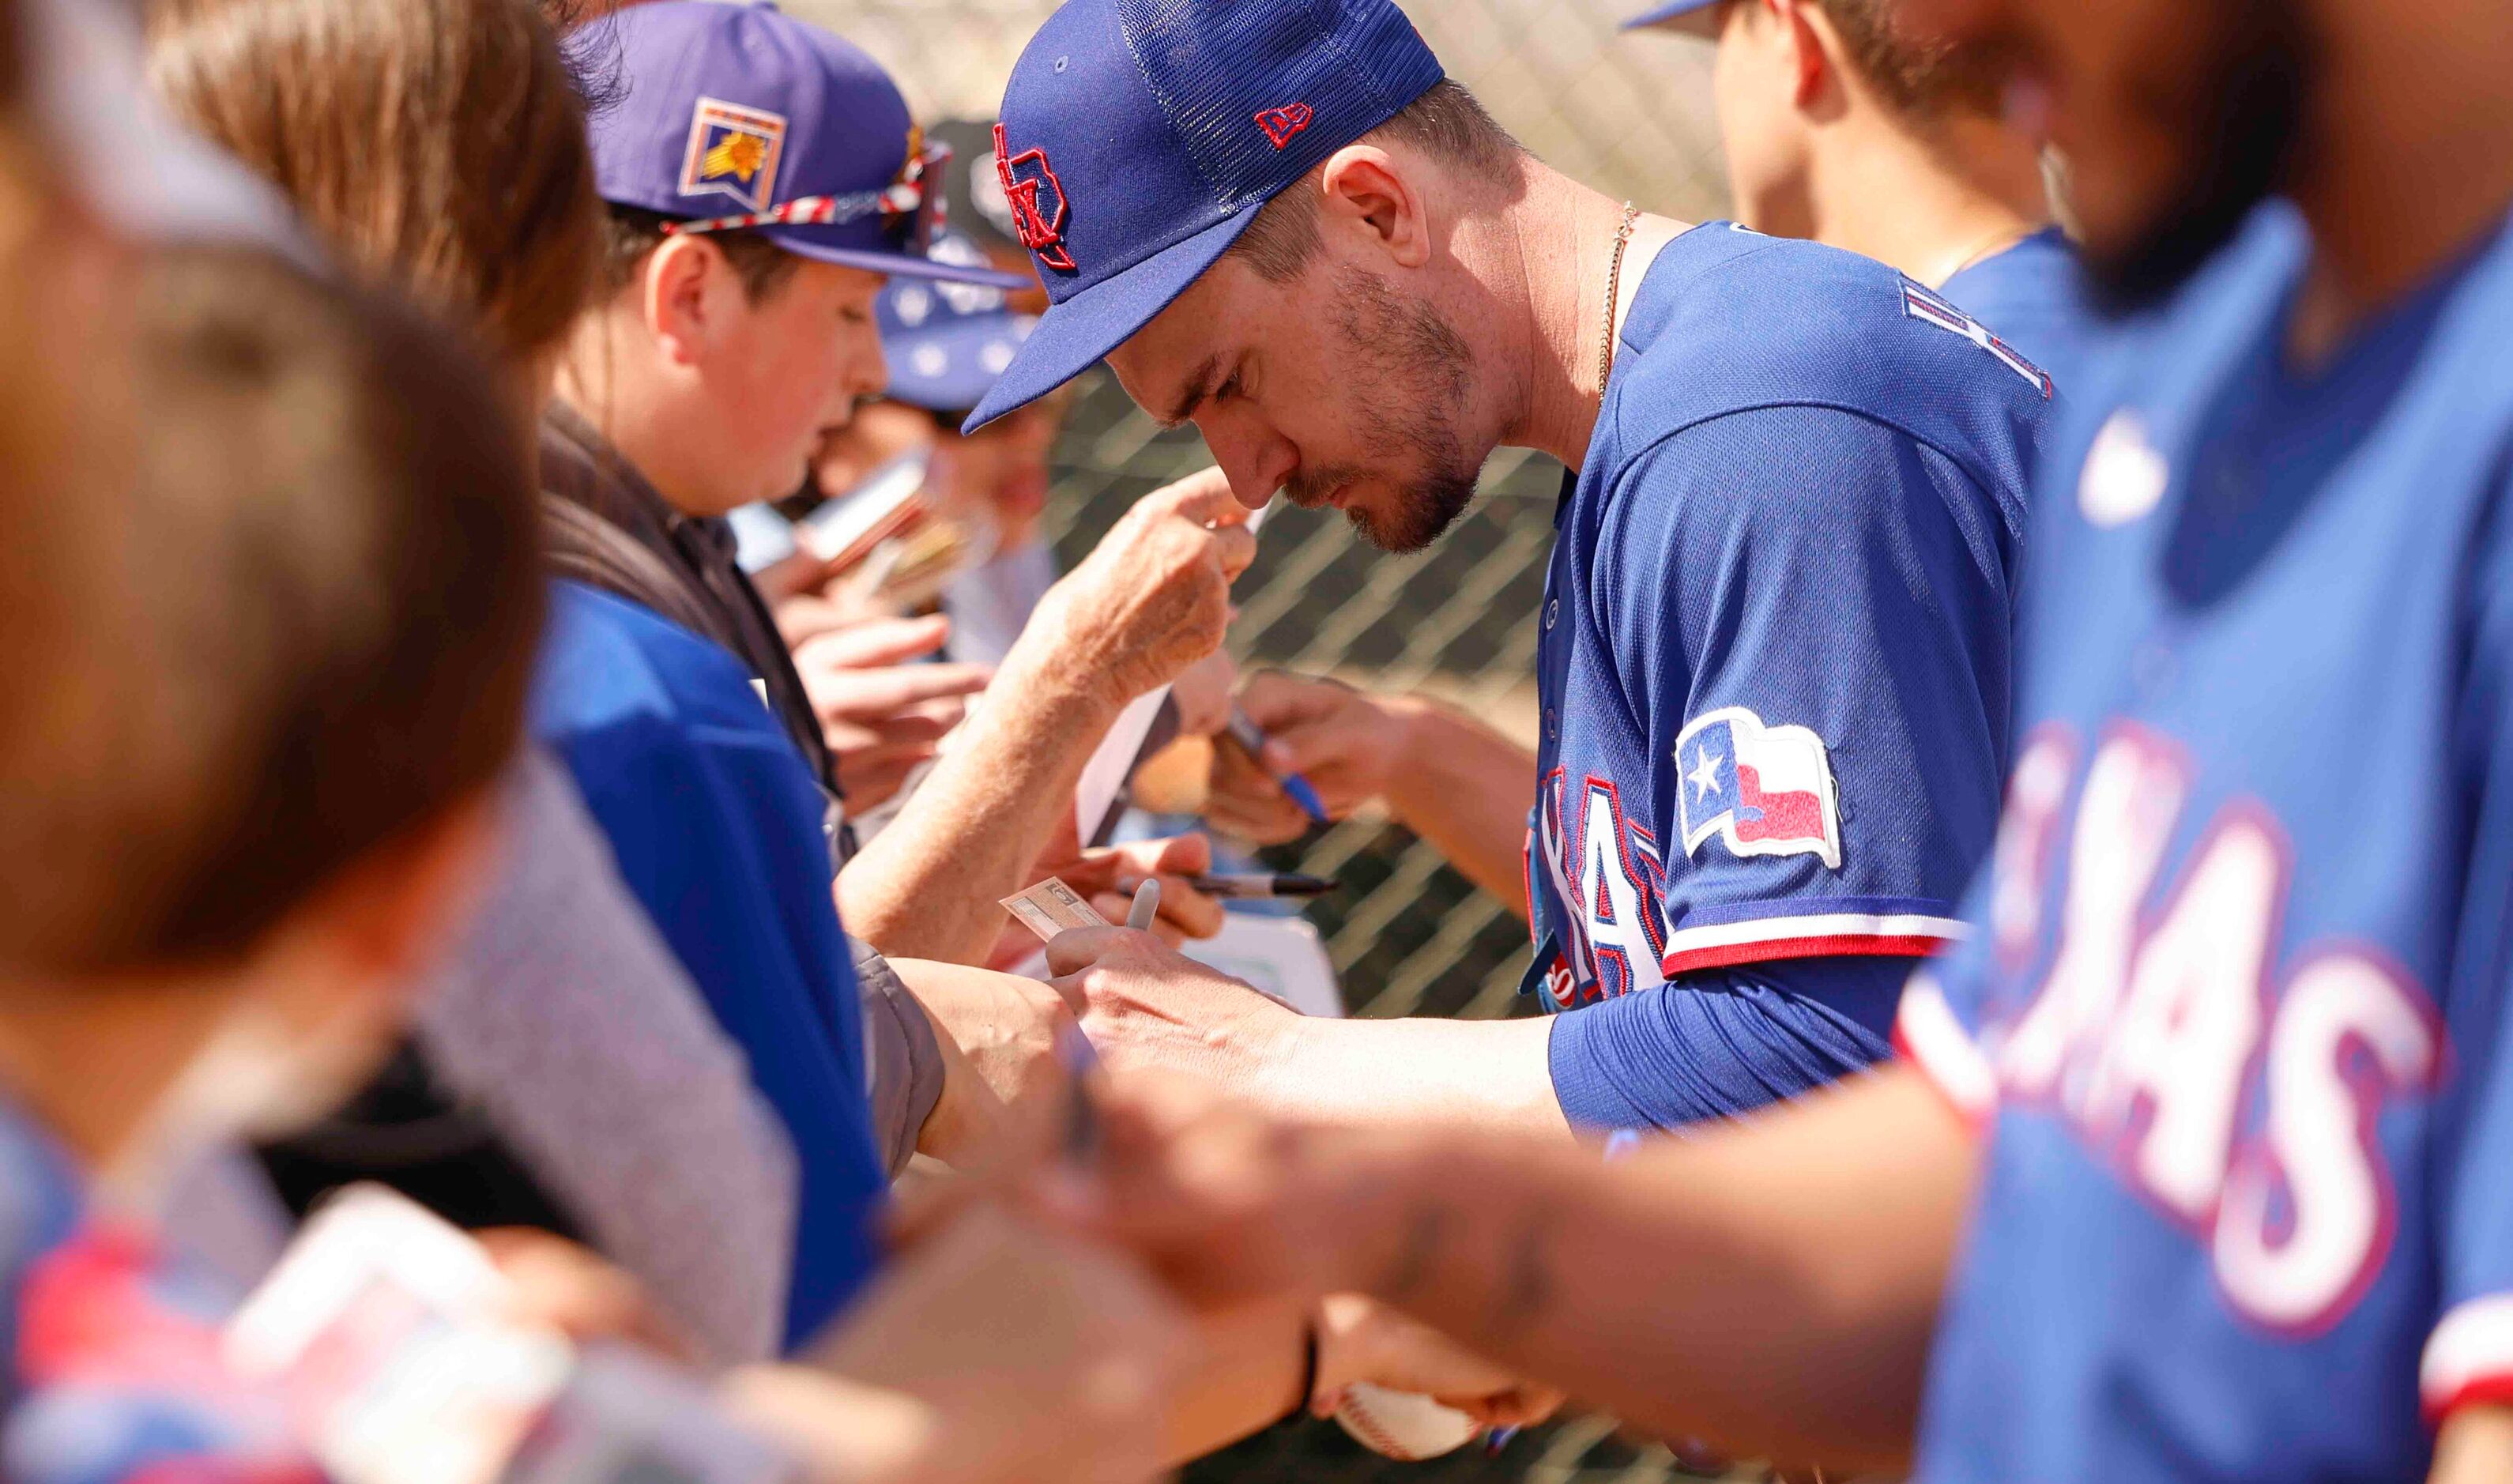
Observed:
{"x":2204,"y":1168}
{"x":1795,"y":528}
{"x":1842,"y":126}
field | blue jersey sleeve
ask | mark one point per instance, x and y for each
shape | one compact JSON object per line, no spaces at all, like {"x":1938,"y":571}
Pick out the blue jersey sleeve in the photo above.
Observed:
{"x":1824,"y":603}
{"x":2469,"y":1357}
{"x":1722,"y":1042}
{"x":717,"y":828}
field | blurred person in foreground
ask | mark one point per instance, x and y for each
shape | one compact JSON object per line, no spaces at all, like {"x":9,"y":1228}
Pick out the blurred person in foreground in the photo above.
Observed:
{"x":271,"y":775}
{"x":549,"y":1050}
{"x":1842,"y":125}
{"x":763,"y":179}
{"x":567,"y":1076}
{"x":1774,"y":657}
{"x":2195,"y":1166}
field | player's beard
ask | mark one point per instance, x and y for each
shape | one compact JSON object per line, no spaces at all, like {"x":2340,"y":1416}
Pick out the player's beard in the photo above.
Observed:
{"x":1411,"y":375}
{"x":2243,"y":103}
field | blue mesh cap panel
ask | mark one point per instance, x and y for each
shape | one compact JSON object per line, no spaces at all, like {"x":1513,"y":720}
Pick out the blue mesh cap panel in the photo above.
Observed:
{"x":1216,"y":65}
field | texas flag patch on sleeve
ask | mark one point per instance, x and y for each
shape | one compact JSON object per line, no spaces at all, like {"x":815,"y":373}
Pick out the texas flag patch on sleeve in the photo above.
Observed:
{"x":1762,"y":790}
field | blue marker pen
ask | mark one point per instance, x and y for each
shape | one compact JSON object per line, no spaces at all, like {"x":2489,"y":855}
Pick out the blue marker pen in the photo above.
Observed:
{"x":1297,"y":788}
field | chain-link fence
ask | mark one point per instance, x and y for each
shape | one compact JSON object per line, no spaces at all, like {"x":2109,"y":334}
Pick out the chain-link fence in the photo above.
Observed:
{"x":1409,"y":936}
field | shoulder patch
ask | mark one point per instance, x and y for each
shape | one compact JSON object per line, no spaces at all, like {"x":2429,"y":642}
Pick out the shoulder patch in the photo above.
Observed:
{"x":1762,"y":790}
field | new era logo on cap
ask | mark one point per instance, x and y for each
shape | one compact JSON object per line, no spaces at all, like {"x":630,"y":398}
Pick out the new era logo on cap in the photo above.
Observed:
{"x":1280,"y":124}
{"x":1140,"y":138}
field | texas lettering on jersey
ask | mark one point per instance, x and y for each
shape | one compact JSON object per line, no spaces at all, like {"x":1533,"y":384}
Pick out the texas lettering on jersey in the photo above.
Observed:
{"x":1606,"y":870}
{"x":1754,"y":789}
{"x":2238,"y":1099}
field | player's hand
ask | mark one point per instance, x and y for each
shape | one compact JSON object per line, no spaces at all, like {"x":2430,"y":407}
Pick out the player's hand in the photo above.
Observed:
{"x":1345,"y":743}
{"x":882,"y":715}
{"x":1360,"y":1339}
{"x":993,"y":1351}
{"x":1147,"y":1006}
{"x":1202,"y":694}
{"x":1006,"y":1031}
{"x":1109,"y":874}
{"x":1150,"y":600}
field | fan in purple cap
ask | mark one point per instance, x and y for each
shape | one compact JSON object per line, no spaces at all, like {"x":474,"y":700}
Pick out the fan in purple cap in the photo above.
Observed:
{"x":741,"y":119}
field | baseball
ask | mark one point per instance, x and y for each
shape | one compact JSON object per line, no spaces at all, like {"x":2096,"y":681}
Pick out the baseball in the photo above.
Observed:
{"x":1403,"y":1424}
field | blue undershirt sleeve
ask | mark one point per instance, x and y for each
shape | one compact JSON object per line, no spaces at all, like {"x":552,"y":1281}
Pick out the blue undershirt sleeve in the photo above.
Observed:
{"x":1722,"y":1042}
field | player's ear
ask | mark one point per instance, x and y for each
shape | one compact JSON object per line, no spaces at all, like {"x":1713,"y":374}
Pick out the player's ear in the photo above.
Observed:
{"x":1802,"y":33}
{"x":684,"y":282}
{"x":1366,"y":190}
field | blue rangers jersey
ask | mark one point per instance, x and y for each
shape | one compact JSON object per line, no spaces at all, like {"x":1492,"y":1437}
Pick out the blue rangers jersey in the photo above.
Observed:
{"x":2033,"y":296}
{"x":2237,"y":1021}
{"x":1774,"y":674}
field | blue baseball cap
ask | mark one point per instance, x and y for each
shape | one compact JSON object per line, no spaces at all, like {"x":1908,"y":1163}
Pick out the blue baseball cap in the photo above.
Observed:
{"x":1140,"y":138}
{"x":947,"y":343}
{"x":1696,"y":12}
{"x":738,"y":116}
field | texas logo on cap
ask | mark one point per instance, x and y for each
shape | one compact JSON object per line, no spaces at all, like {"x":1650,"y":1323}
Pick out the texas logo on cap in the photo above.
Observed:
{"x":1038,"y":202}
{"x":734,"y":151}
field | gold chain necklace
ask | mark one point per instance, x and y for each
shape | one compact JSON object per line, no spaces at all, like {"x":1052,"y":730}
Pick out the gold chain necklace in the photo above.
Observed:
{"x":1614,"y":296}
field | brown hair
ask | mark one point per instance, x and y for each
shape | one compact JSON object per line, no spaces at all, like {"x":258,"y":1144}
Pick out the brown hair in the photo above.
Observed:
{"x":1923,"y":78}
{"x":631,"y":235}
{"x":301,"y":625}
{"x":1448,"y":123}
{"x":439,"y":144}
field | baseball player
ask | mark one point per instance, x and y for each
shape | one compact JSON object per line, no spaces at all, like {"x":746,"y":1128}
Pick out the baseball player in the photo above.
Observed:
{"x":1842,"y":126}
{"x":2215,"y":1105}
{"x":1775,"y":640}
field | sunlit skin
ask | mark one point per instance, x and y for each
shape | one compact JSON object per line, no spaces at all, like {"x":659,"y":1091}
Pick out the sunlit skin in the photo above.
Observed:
{"x":1816,"y":150}
{"x":1318,"y":387}
{"x":719,"y":400}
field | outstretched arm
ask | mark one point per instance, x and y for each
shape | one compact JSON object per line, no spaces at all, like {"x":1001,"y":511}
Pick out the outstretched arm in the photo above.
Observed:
{"x":1152,"y":599}
{"x":1769,"y":1287}
{"x":1147,"y":1007}
{"x":1447,"y":777}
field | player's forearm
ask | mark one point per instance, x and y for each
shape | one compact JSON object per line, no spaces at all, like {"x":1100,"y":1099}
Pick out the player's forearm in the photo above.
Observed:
{"x":1493,"y":1075}
{"x":928,"y":886}
{"x":2475,"y":1447}
{"x":1466,"y":788}
{"x":1771,"y":1289}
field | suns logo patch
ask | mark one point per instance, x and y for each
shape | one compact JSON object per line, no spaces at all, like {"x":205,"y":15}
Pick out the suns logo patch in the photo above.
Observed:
{"x":734,"y":151}
{"x":1762,"y":790}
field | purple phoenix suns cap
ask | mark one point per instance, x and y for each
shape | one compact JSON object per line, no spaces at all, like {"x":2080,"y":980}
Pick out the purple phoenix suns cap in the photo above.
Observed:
{"x":1140,"y":138}
{"x":736,"y":116}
